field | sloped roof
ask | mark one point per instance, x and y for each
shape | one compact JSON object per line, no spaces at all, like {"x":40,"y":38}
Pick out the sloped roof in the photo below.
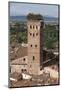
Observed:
{"x":20,"y":61}
{"x":21,"y":52}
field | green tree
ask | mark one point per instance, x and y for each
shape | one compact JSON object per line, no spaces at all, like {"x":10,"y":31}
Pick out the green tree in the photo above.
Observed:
{"x":50,"y":36}
{"x":32,"y":16}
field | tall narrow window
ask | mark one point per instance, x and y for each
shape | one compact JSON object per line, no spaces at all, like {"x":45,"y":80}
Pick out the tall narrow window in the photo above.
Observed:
{"x":30,"y":34}
{"x":33,"y":27}
{"x":33,"y":57}
{"x":21,"y":70}
{"x":36,"y":27}
{"x":33,"y":34}
{"x":36,"y":34}
{"x":10,"y":69}
{"x":30,"y":27}
{"x":24,"y":59}
{"x":31,"y":45}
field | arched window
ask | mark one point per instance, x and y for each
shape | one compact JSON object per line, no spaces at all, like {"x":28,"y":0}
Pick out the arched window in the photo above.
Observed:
{"x":23,"y":59}
{"x":30,"y":34}
{"x":33,"y":57}
{"x":31,"y":45}
{"x":33,"y":34}
{"x":36,"y":34}
{"x":30,"y":27}
{"x":36,"y":27}
{"x":33,"y":27}
{"x":25,"y":70}
{"x":21,"y":70}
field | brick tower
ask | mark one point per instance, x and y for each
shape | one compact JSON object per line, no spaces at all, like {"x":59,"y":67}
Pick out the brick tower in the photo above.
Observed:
{"x":35,"y":44}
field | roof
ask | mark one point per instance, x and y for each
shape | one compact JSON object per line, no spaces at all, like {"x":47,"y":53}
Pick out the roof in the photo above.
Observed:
{"x":20,"y":61}
{"x":22,"y":51}
{"x":18,"y":52}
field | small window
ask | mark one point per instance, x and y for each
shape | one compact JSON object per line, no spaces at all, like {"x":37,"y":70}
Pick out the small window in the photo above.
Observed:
{"x":33,"y":58}
{"x":35,"y":45}
{"x":33,"y":34}
{"x":24,"y":59}
{"x":36,"y":34}
{"x":30,"y":27}
{"x":10,"y":69}
{"x":22,"y":70}
{"x":36,"y":27}
{"x":31,"y":45}
{"x":25,"y":70}
{"x":30,"y":34}
{"x":33,"y":27}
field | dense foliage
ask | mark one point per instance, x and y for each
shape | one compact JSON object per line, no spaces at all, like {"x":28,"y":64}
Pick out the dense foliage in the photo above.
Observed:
{"x":50,"y":36}
{"x":32,"y":16}
{"x":19,"y":34}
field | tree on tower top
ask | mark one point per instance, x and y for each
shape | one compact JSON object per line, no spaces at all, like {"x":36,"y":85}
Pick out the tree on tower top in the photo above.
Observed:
{"x":32,"y":16}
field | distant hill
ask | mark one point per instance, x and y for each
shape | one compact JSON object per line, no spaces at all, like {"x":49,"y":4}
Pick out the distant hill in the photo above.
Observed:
{"x":23,"y":18}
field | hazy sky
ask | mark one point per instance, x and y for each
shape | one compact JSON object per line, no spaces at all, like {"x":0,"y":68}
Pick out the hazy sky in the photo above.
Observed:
{"x":24,"y":8}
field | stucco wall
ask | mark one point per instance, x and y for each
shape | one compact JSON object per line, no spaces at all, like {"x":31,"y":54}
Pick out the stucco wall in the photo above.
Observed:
{"x":18,"y":68}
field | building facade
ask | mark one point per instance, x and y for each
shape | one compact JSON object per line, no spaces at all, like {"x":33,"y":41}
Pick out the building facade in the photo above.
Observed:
{"x":19,"y":65}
